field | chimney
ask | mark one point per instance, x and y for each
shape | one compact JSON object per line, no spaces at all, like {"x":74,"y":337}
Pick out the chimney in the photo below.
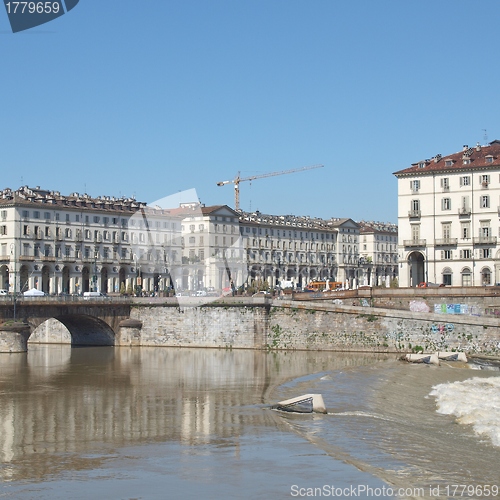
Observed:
{"x":478,"y":147}
{"x":465,"y":147}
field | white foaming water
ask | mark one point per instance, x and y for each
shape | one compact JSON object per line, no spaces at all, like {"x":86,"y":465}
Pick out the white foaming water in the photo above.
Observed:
{"x":475,"y":401}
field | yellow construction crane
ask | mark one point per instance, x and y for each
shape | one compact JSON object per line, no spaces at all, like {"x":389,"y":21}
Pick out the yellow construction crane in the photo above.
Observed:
{"x":236,"y":181}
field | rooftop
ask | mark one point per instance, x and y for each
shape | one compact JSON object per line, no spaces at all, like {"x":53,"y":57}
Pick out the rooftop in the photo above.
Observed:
{"x":477,"y":157}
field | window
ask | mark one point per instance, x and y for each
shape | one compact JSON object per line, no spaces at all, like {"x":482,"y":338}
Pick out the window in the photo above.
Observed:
{"x":448,"y":163}
{"x":489,"y":159}
{"x":464,"y":205}
{"x":446,"y":204}
{"x":466,"y":161}
{"x":486,"y":276}
{"x":465,"y":180}
{"x":415,"y":232}
{"x":465,"y":230}
{"x":46,"y":215}
{"x":484,"y":230}
{"x":485,"y":253}
{"x":26,"y":214}
{"x":446,"y":254}
{"x":26,"y":230}
{"x":465,"y":254}
{"x":484,"y":180}
{"x":447,"y":276}
{"x":466,"y":277}
{"x":484,"y":201}
{"x":415,"y":186}
{"x":36,"y":214}
{"x":445,"y":183}
{"x":3,"y":230}
{"x":446,"y":228}
{"x":415,"y":205}
{"x":4,"y":214}
{"x":96,"y":219}
{"x":68,"y":251}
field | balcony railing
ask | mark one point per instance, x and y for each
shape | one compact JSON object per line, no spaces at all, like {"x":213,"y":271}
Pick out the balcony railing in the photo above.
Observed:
{"x":446,"y":242}
{"x":467,"y":211}
{"x":414,"y":243}
{"x":485,"y":240}
{"x":414,"y":213}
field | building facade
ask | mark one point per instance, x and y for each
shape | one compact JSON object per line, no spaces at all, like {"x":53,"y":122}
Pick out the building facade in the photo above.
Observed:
{"x":75,"y":244}
{"x":379,"y":252}
{"x":448,"y":218}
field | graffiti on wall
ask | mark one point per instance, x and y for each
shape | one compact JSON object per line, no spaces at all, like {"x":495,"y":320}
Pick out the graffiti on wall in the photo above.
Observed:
{"x":439,"y":328}
{"x":457,"y":309}
{"x":419,"y":306}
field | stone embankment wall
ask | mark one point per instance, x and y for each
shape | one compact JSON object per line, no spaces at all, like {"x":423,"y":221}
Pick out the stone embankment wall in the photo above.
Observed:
{"x":315,"y":326}
{"x":429,"y":320}
{"x":230,"y":325}
{"x":353,"y":328}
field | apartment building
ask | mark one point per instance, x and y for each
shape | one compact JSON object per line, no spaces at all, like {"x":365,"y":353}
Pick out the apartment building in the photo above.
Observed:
{"x":300,"y":249}
{"x":76,"y":243}
{"x":448,"y":218}
{"x":379,"y":252}
{"x":73,"y":244}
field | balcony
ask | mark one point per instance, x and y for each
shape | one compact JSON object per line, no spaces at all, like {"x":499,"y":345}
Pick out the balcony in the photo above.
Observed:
{"x":414,"y":213}
{"x":446,"y":242}
{"x":467,"y":211}
{"x":485,"y":240}
{"x":4,"y":258}
{"x":27,"y":258}
{"x":485,"y":184}
{"x":48,"y":258}
{"x":415,"y":243}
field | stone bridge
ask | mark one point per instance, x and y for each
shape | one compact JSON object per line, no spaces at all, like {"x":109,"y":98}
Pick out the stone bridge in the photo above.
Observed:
{"x":90,"y":322}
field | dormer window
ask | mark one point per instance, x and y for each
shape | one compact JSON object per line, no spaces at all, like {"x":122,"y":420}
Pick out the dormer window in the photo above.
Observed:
{"x":421,"y":164}
{"x":489,"y":159}
{"x":448,"y":163}
{"x":466,"y":161}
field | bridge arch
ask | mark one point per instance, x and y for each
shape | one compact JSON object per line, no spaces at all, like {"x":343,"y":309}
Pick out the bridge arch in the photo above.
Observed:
{"x":84,"y":330}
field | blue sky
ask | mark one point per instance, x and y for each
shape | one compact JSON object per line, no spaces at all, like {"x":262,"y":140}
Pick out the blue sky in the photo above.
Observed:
{"x":152,"y":97}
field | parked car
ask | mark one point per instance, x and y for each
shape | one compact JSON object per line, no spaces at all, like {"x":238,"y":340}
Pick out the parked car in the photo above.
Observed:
{"x":262,"y":293}
{"x":428,"y":284}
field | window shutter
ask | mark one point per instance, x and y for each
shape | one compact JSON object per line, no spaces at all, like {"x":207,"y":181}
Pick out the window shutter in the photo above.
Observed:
{"x":461,"y":181}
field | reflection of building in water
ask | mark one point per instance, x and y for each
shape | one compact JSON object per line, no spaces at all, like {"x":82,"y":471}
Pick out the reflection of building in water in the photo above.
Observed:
{"x":97,"y":396}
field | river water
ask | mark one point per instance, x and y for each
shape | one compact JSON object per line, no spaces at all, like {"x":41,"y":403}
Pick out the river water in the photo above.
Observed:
{"x":160,"y":423}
